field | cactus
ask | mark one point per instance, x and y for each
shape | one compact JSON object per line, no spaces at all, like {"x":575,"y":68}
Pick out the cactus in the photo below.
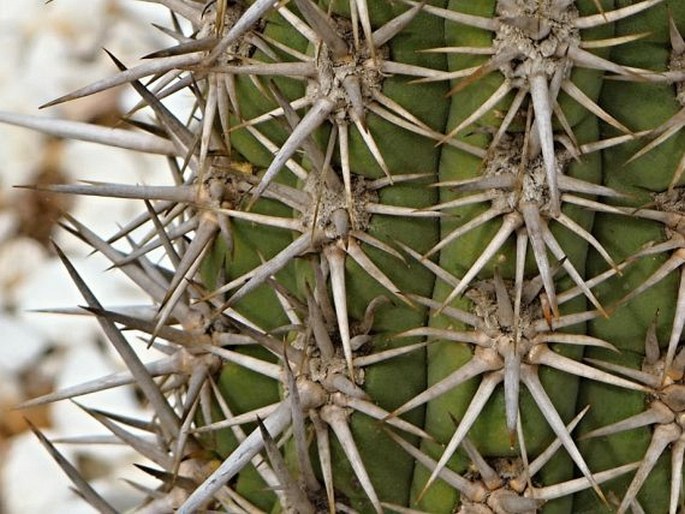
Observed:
{"x":418,"y":257}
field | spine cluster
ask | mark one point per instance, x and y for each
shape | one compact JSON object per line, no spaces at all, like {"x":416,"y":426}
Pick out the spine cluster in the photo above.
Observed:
{"x":416,"y":257}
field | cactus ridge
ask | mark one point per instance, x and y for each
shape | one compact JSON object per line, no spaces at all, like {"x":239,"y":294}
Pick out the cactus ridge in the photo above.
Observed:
{"x":352,"y":336}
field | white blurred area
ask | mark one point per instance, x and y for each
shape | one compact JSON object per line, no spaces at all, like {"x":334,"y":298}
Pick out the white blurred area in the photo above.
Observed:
{"x":50,"y":49}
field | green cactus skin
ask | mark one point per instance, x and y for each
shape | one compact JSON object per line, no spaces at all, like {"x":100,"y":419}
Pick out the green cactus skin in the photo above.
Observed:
{"x":416,"y":305}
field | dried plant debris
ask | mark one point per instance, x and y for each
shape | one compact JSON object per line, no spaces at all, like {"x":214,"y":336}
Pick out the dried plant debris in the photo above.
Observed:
{"x":38,"y":212}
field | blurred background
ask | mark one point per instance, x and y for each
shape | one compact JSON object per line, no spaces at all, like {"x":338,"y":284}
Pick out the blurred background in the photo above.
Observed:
{"x":50,"y":49}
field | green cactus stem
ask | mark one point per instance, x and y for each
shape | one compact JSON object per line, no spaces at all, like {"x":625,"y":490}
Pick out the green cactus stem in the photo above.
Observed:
{"x":412,"y":254}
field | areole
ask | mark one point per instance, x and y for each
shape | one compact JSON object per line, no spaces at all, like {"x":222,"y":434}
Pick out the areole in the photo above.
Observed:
{"x":413,"y":252}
